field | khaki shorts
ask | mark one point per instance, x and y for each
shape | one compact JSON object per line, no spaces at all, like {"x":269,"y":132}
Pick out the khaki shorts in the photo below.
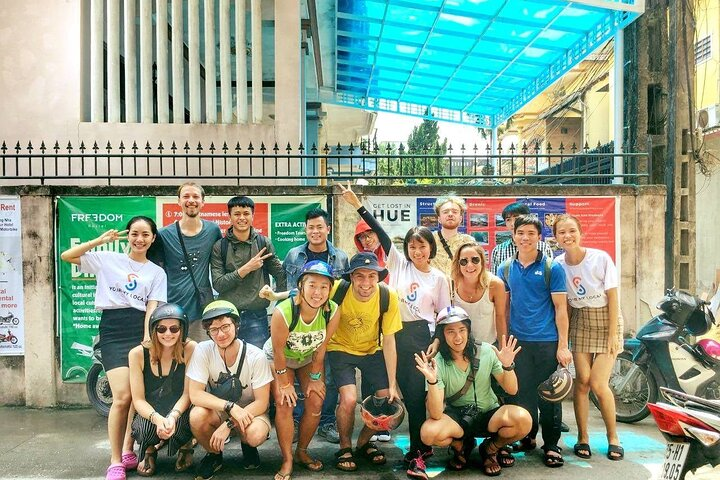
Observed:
{"x":264,"y":418}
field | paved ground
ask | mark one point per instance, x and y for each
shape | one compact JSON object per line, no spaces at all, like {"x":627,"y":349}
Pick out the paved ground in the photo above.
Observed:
{"x":72,"y":444}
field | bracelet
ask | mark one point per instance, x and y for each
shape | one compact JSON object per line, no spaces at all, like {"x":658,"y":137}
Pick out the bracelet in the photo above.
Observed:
{"x":433,"y":383}
{"x":151,"y":416}
{"x":228,"y":406}
{"x":229,"y":423}
{"x":286,"y":386}
{"x":176,"y":411}
{"x":282,"y":371}
{"x":315,"y":376}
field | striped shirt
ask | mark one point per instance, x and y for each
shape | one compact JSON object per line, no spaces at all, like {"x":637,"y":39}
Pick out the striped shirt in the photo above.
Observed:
{"x":508,"y":249}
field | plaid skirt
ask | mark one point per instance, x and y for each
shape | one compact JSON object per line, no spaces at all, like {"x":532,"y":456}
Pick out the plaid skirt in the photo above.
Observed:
{"x":145,"y":433}
{"x":589,"y":329}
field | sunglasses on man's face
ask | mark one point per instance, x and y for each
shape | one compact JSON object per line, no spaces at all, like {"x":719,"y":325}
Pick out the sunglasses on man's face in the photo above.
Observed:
{"x":464,"y":261}
{"x":163,"y":329}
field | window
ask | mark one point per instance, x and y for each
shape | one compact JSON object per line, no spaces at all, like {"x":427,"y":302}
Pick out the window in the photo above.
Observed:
{"x":703,"y":50}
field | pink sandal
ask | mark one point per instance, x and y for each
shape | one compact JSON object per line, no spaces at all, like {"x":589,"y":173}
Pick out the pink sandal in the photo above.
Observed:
{"x":129,"y":460}
{"x":116,"y":471}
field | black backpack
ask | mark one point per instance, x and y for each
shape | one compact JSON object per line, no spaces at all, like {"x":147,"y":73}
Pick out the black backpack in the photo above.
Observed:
{"x":384,"y":301}
{"x":225,"y":243}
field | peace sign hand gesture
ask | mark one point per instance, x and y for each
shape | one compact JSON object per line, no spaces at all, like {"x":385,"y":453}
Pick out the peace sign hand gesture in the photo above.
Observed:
{"x":254,"y":263}
{"x":507,"y":351}
{"x":349,"y":196}
{"x":112,"y":235}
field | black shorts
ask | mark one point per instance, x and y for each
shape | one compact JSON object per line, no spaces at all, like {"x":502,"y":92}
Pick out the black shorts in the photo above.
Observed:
{"x":372,"y":370}
{"x":121,"y":330}
{"x":479,"y":426}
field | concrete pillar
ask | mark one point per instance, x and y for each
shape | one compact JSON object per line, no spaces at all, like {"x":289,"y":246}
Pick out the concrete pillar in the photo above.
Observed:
{"x":130,"y":63}
{"x":241,"y":61}
{"x":178,"y":62}
{"x":287,"y":73}
{"x":146,"y":58}
{"x":210,"y":75}
{"x":194,"y":59}
{"x":225,"y":65}
{"x":161,"y":37}
{"x":38,"y":271}
{"x":113,"y":60}
{"x":96,"y":61}
{"x":256,"y":42}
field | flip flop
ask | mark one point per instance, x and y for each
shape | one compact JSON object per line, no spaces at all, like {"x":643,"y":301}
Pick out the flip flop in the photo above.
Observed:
{"x":282,"y":476}
{"x":314,"y":465}
{"x":615,"y":452}
{"x":582,"y":450}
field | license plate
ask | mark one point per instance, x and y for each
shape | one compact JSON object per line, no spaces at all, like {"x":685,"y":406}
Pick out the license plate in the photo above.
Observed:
{"x":675,"y":455}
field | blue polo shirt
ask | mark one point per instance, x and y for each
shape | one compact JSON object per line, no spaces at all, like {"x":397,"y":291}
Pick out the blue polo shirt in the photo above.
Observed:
{"x":532,"y":312}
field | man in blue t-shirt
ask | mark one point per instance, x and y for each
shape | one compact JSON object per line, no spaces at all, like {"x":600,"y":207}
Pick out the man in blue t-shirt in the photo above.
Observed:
{"x":199,"y":236}
{"x":539,"y":320}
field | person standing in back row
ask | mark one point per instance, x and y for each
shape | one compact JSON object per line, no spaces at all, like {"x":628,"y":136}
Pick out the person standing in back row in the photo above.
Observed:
{"x":450,"y":211}
{"x":508,"y":248}
{"x":187,"y":245}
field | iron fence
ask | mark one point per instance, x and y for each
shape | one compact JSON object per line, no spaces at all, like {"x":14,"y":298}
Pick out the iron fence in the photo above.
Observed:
{"x":536,"y":163}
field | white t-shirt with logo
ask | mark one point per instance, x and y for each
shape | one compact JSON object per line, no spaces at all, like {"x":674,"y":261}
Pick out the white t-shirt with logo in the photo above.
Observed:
{"x":206,"y":365}
{"x":421,"y":294}
{"x":122,"y":282}
{"x":588,"y":281}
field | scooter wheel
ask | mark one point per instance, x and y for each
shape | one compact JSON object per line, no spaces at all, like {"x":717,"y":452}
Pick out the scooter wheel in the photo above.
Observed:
{"x":632,"y":394}
{"x":98,"y":390}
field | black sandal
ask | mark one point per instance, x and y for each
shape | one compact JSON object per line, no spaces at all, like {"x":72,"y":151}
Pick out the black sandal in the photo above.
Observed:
{"x":490,"y":465}
{"x":345,"y":456}
{"x":525,"y":444}
{"x":372,"y":453}
{"x":615,"y":452}
{"x":582,"y":450}
{"x":553,"y":461}
{"x":505,"y":457}
{"x":461,"y":457}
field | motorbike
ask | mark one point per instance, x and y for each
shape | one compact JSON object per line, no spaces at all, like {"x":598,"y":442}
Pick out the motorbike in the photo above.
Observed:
{"x":97,"y":385}
{"x":691,"y":426}
{"x":9,"y":319}
{"x":664,"y":355}
{"x":8,"y":338}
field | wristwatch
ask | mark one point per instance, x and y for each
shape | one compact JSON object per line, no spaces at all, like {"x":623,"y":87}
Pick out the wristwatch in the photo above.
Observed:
{"x":510,"y":367}
{"x":230,"y":424}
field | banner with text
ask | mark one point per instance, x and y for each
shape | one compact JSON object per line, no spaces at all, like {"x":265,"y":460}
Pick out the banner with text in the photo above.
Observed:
{"x":483,"y":220}
{"x":80,"y":219}
{"x":12,"y":317}
{"x":282,"y":219}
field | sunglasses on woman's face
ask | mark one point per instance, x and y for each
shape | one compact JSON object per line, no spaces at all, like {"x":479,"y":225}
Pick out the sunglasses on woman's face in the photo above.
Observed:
{"x":163,"y":329}
{"x":464,"y":261}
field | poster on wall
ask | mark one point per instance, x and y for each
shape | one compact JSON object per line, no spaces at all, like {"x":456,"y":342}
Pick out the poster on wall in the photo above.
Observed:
{"x":12,"y":324}
{"x":282,"y":219}
{"x":483,"y":220}
{"x":83,"y":218}
{"x":80,"y":219}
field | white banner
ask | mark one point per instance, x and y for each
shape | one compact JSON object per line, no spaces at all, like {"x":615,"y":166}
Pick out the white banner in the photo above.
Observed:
{"x":12,"y":325}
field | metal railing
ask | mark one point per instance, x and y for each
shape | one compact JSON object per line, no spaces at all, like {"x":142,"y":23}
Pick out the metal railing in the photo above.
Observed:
{"x":538,"y":164}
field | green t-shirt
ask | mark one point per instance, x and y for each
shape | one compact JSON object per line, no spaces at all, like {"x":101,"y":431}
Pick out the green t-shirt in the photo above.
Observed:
{"x":451,"y":379}
{"x":306,"y":337}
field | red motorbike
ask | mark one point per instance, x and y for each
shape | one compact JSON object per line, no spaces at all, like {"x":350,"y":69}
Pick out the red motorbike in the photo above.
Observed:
{"x":8,"y":338}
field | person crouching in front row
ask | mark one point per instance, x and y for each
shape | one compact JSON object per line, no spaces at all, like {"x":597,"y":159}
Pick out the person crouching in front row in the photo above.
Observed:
{"x":460,"y":376}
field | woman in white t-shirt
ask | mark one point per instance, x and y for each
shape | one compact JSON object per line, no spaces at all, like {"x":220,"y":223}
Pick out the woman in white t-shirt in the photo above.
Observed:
{"x":423,"y":291}
{"x":129,"y":288}
{"x":480,"y":293}
{"x":595,"y":329}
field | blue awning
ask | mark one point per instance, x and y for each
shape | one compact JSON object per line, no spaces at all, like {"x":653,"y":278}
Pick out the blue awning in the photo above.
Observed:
{"x":466,"y":61}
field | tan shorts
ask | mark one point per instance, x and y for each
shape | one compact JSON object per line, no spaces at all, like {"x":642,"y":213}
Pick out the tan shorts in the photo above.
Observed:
{"x":264,"y":418}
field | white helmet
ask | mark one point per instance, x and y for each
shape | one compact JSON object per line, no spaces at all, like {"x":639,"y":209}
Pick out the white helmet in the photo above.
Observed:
{"x":557,"y":387}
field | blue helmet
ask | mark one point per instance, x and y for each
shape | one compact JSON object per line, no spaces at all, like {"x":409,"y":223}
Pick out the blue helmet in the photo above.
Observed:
{"x":317,"y":267}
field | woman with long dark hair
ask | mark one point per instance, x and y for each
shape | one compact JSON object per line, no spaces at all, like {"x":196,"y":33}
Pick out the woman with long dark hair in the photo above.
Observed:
{"x":129,"y":288}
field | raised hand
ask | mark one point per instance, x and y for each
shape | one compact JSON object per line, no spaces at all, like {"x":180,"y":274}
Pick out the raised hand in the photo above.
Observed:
{"x":507,"y":351}
{"x":427,"y":366}
{"x":349,"y":196}
{"x":255,"y":262}
{"x":112,"y":235}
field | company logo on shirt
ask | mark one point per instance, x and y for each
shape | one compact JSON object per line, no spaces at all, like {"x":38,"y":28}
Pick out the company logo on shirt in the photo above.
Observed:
{"x":412,"y":296}
{"x":579,"y":289}
{"x":132,"y":282}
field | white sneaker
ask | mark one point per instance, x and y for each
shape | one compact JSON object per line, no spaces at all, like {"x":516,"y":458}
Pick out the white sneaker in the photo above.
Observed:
{"x":382,"y":436}
{"x":374,"y":438}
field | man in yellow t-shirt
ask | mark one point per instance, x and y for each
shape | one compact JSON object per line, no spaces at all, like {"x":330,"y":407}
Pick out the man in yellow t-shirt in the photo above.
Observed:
{"x":359,"y":344}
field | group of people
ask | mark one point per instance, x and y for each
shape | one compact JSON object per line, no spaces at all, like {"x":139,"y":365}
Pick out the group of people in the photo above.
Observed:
{"x":473,"y":346}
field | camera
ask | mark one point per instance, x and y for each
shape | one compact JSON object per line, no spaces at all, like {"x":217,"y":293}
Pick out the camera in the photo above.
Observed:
{"x":468,"y":414}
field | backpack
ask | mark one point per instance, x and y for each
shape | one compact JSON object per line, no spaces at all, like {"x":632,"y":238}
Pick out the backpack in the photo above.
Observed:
{"x":225,"y":243}
{"x":547,"y":266}
{"x":295,"y":315}
{"x":384,"y":301}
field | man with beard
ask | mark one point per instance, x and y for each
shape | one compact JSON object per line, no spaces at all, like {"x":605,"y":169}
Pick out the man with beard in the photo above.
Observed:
{"x":187,"y":245}
{"x":450,"y":211}
{"x":241,"y":264}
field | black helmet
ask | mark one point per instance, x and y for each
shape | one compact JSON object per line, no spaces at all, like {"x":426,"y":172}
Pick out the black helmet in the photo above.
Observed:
{"x":171,"y":311}
{"x":557,"y":387}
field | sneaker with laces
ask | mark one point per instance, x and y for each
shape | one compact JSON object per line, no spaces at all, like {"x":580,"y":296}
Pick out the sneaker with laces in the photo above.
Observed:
{"x":251,"y":457}
{"x":383,"y":436}
{"x":115,"y":471}
{"x":417,"y":468}
{"x":211,"y":463}
{"x":329,"y":433}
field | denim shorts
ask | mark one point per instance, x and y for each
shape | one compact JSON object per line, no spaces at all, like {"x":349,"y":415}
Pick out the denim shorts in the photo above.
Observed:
{"x":372,"y":370}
